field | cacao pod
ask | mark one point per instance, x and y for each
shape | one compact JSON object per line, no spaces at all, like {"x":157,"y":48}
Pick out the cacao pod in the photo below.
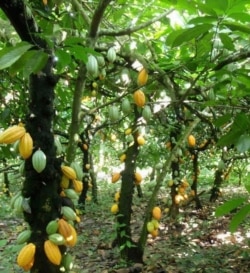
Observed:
{"x":111,"y":54}
{"x":138,"y":178}
{"x":126,"y":106}
{"x":77,"y":168}
{"x":68,"y":213}
{"x":92,"y":66}
{"x":139,"y":98}
{"x":26,"y":255}
{"x":52,"y":227}
{"x":12,"y":134}
{"x":78,"y":185}
{"x":64,"y":182}
{"x":69,"y":172}
{"x":117,"y":196}
{"x":156,"y":213}
{"x":191,"y":141}
{"x":122,"y":157}
{"x":128,"y":131}
{"x":115,"y":177}
{"x":39,"y":161}
{"x":146,"y":113}
{"x":23,"y":237}
{"x":57,"y":239}
{"x":67,"y":262}
{"x":154,"y":233}
{"x":114,"y":113}
{"x":52,"y":252}
{"x":58,"y":145}
{"x":72,"y":240}
{"x":150,"y":227}
{"x":140,"y":140}
{"x":114,"y":209}
{"x":64,"y":228}
{"x":26,"y":146}
{"x":155,"y":223}
{"x":100,"y":61}
{"x":142,"y":77}
{"x":70,"y":193}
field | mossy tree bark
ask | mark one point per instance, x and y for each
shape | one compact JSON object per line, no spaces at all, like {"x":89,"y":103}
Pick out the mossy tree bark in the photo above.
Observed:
{"x":40,"y":190}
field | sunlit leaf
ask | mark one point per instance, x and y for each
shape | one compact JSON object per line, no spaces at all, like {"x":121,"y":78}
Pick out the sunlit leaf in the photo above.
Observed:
{"x":239,"y":217}
{"x":243,"y":143}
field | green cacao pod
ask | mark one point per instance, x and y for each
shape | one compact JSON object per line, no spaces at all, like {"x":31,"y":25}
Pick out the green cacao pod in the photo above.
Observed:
{"x":52,"y":227}
{"x":100,"y":61}
{"x":92,"y":66}
{"x":71,"y":194}
{"x":68,"y":213}
{"x":111,"y":54}
{"x":126,"y":106}
{"x":67,"y":262}
{"x":57,"y":239}
{"x":23,"y":237}
{"x":146,"y":113}
{"x":39,"y":161}
{"x":78,"y":170}
{"x":114,"y":113}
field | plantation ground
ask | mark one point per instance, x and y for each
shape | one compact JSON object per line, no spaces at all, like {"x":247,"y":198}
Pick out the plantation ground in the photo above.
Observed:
{"x":197,"y":242}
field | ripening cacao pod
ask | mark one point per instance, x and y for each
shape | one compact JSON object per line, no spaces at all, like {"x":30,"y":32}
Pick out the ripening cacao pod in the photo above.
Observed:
{"x":126,"y":106}
{"x":150,"y":227}
{"x":64,"y":228}
{"x":117,"y":196}
{"x":12,"y":134}
{"x":26,"y":146}
{"x":155,"y":223}
{"x":191,"y":141}
{"x":78,"y":185}
{"x":72,"y":240}
{"x":114,"y":113}
{"x":68,"y":172}
{"x":114,"y":208}
{"x":39,"y":161}
{"x":146,"y":113}
{"x":138,"y":178}
{"x":154,"y":233}
{"x":140,"y":140}
{"x":64,"y":182}
{"x":26,"y":255}
{"x":92,"y":66}
{"x":156,"y":213}
{"x":52,"y":252}
{"x":139,"y":98}
{"x":111,"y":54}
{"x":52,"y":227}
{"x":23,"y":237}
{"x":142,"y":77}
{"x":115,"y":177}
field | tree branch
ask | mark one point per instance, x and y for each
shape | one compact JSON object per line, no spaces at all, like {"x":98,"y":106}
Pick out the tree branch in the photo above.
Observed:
{"x":97,"y":17}
{"x":79,"y":7}
{"x":235,"y":58}
{"x":130,"y":30}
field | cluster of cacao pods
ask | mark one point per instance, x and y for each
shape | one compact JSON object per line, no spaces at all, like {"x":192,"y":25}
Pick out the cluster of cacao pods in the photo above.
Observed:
{"x":153,"y":225}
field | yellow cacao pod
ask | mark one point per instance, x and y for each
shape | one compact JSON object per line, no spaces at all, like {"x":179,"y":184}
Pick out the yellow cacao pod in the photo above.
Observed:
{"x":52,"y":252}
{"x":72,"y":240}
{"x":69,"y":172}
{"x":64,"y":228}
{"x":122,"y":157}
{"x":141,"y":140}
{"x":26,"y":255}
{"x":138,"y":178}
{"x":26,"y":146}
{"x":156,"y":213}
{"x":114,"y":209}
{"x":117,"y":196}
{"x":78,"y":185}
{"x":64,"y":182}
{"x":115,"y":177}
{"x":142,"y":77}
{"x":154,"y":233}
{"x":139,"y":98}
{"x":191,"y":141}
{"x":12,"y":134}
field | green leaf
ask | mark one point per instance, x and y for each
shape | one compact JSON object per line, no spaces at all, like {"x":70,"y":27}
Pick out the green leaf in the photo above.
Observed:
{"x":222,"y":120}
{"x":243,"y":143}
{"x":10,"y":55}
{"x":227,"y":41}
{"x":237,"y":27}
{"x":239,"y":217}
{"x":191,"y":33}
{"x":220,"y":6}
{"x":228,"y":206}
{"x":240,"y":16}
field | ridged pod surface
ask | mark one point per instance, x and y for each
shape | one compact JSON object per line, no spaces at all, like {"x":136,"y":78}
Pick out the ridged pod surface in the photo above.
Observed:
{"x":52,"y":252}
{"x":139,"y":98}
{"x":142,"y":77}
{"x":12,"y":134}
{"x":64,"y":229}
{"x":69,"y":172}
{"x":26,"y":255}
{"x":26,"y":146}
{"x":78,"y":185}
{"x":72,"y":240}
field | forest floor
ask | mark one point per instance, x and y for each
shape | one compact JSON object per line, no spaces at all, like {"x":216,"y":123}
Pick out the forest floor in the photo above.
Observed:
{"x":197,"y":241}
